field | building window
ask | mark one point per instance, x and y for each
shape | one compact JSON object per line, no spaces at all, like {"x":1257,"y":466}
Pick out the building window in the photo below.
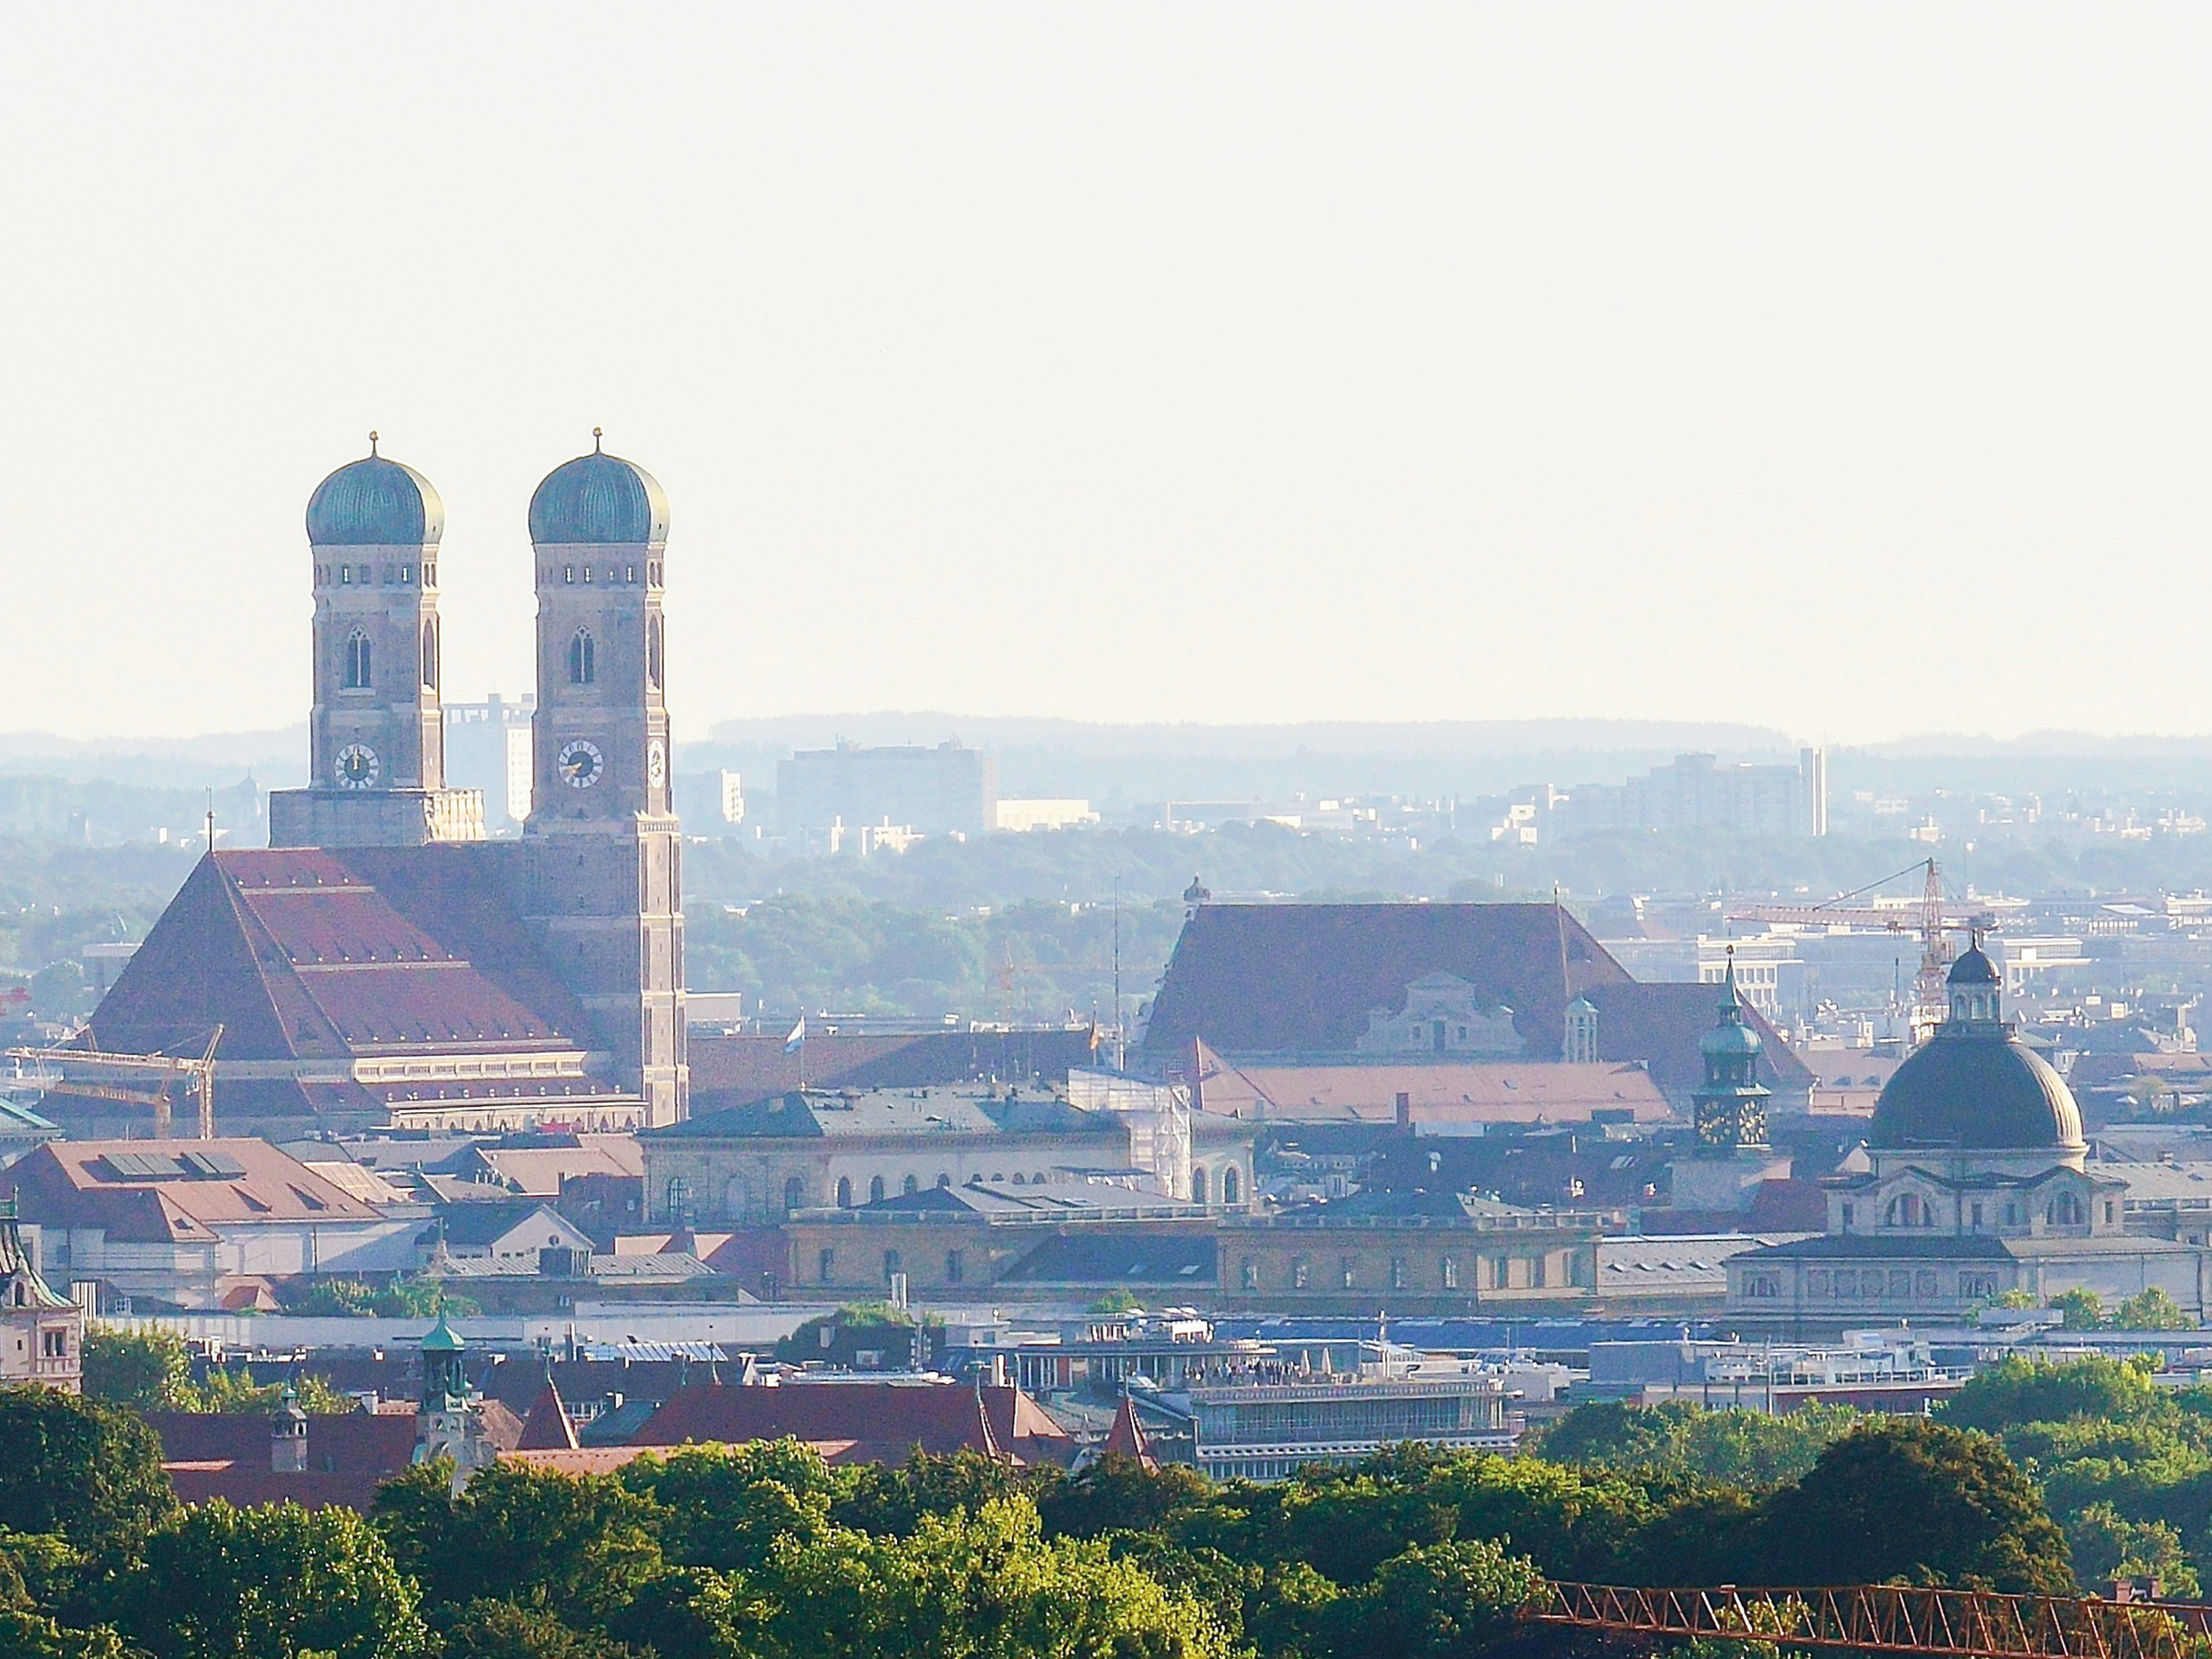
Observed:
{"x":794,"y":1194}
{"x":1847,"y":1282}
{"x":583,"y":658}
{"x":1900,"y":1282}
{"x":1816,"y":1283}
{"x":358,"y":676}
{"x":875,"y":1190}
{"x":1301,"y":1274}
{"x":1537,"y":1274}
{"x":1923,"y":1282}
{"x":1397,"y":1273}
{"x":844,"y":1192}
{"x":1974,"y":1285}
{"x":892,"y":1267}
{"x":406,"y":574}
{"x":678,"y":1198}
{"x":1846,"y":1218}
{"x":1451,"y":1273}
{"x":1248,"y":1273}
{"x":430,"y":656}
{"x":1762,"y":1286}
{"x":345,"y":576}
{"x":54,"y":1345}
{"x":652,"y":653}
{"x":1346,"y":1266}
{"x":909,"y":1184}
{"x":1197,"y":1186}
{"x":956,"y":1267}
{"x":568,"y":573}
{"x":2012,"y":1214}
{"x":827,"y":1264}
{"x":1977,"y":1215}
{"x":1501,"y":1273}
{"x":1231,"y":1185}
{"x":2065,"y":1210}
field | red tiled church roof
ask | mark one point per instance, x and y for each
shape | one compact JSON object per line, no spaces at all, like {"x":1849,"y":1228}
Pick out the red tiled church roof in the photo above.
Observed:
{"x":304,"y":951}
{"x":1287,"y":978}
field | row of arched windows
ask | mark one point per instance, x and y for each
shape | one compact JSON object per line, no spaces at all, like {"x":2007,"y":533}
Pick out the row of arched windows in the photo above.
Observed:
{"x":1232,"y":1186}
{"x":583,"y":655}
{"x":357,"y":669}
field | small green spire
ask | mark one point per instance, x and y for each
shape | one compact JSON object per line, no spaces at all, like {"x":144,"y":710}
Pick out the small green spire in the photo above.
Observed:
{"x":441,"y":1338}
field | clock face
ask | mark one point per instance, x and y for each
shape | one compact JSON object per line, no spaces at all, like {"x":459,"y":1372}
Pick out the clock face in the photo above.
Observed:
{"x":580,"y":763}
{"x":656,"y":762}
{"x":358,"y":766}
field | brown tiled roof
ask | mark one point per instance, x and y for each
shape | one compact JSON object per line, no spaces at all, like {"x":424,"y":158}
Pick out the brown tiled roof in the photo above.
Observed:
{"x":304,"y":952}
{"x":349,"y":1456}
{"x":1126,"y":1439}
{"x":1287,"y":978}
{"x":80,"y":1183}
{"x":869,"y":1422}
{"x":1494,"y":1091}
{"x":737,"y":1071}
{"x":546,"y":1428}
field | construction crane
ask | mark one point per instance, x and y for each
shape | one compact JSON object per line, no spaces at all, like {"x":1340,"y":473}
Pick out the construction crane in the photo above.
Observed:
{"x":162,"y":1073}
{"x":1929,"y":918}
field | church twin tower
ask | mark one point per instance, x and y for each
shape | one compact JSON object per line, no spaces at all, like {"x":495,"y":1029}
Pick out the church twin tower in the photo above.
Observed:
{"x":597,"y":874}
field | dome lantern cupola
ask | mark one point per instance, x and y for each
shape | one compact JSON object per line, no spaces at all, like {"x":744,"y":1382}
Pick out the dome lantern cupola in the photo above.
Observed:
{"x":1977,"y":989}
{"x":1974,"y":1086}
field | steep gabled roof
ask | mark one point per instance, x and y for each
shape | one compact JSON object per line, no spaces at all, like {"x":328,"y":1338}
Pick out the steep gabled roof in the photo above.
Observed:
{"x":304,"y":952}
{"x":1289,"y":978}
{"x":546,"y":1428}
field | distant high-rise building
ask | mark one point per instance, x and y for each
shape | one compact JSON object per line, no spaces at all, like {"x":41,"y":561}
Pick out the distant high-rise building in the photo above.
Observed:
{"x":487,"y":749}
{"x":1698,"y":790}
{"x":948,"y":790}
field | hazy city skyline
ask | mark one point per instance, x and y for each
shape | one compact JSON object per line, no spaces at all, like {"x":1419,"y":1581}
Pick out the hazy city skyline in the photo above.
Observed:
{"x":1835,"y":372}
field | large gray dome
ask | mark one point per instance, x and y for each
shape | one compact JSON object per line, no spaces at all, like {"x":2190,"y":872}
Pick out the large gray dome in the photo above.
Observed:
{"x":599,"y":500}
{"x":1981,"y":1090}
{"x":373,"y":502}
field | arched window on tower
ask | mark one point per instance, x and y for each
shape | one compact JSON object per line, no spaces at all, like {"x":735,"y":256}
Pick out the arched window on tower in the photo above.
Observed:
{"x":430,"y":656}
{"x":583,"y":658}
{"x":357,"y":676}
{"x":652,"y":653}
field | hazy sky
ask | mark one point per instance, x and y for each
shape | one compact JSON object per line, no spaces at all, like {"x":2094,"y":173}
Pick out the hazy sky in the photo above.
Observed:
{"x":1843,"y":370}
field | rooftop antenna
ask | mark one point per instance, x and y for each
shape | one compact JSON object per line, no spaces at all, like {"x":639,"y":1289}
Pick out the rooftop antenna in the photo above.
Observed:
{"x":211,"y":824}
{"x":373,"y":443}
{"x":596,"y":434}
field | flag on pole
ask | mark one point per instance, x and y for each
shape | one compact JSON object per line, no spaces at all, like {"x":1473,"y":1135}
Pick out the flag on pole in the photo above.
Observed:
{"x":797,"y":1040}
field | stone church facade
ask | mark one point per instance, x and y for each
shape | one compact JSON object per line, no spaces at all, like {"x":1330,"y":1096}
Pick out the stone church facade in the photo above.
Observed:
{"x":383,"y":961}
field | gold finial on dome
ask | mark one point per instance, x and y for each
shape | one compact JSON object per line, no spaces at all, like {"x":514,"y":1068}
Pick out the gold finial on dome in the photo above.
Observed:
{"x":373,"y":443}
{"x":596,"y":434}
